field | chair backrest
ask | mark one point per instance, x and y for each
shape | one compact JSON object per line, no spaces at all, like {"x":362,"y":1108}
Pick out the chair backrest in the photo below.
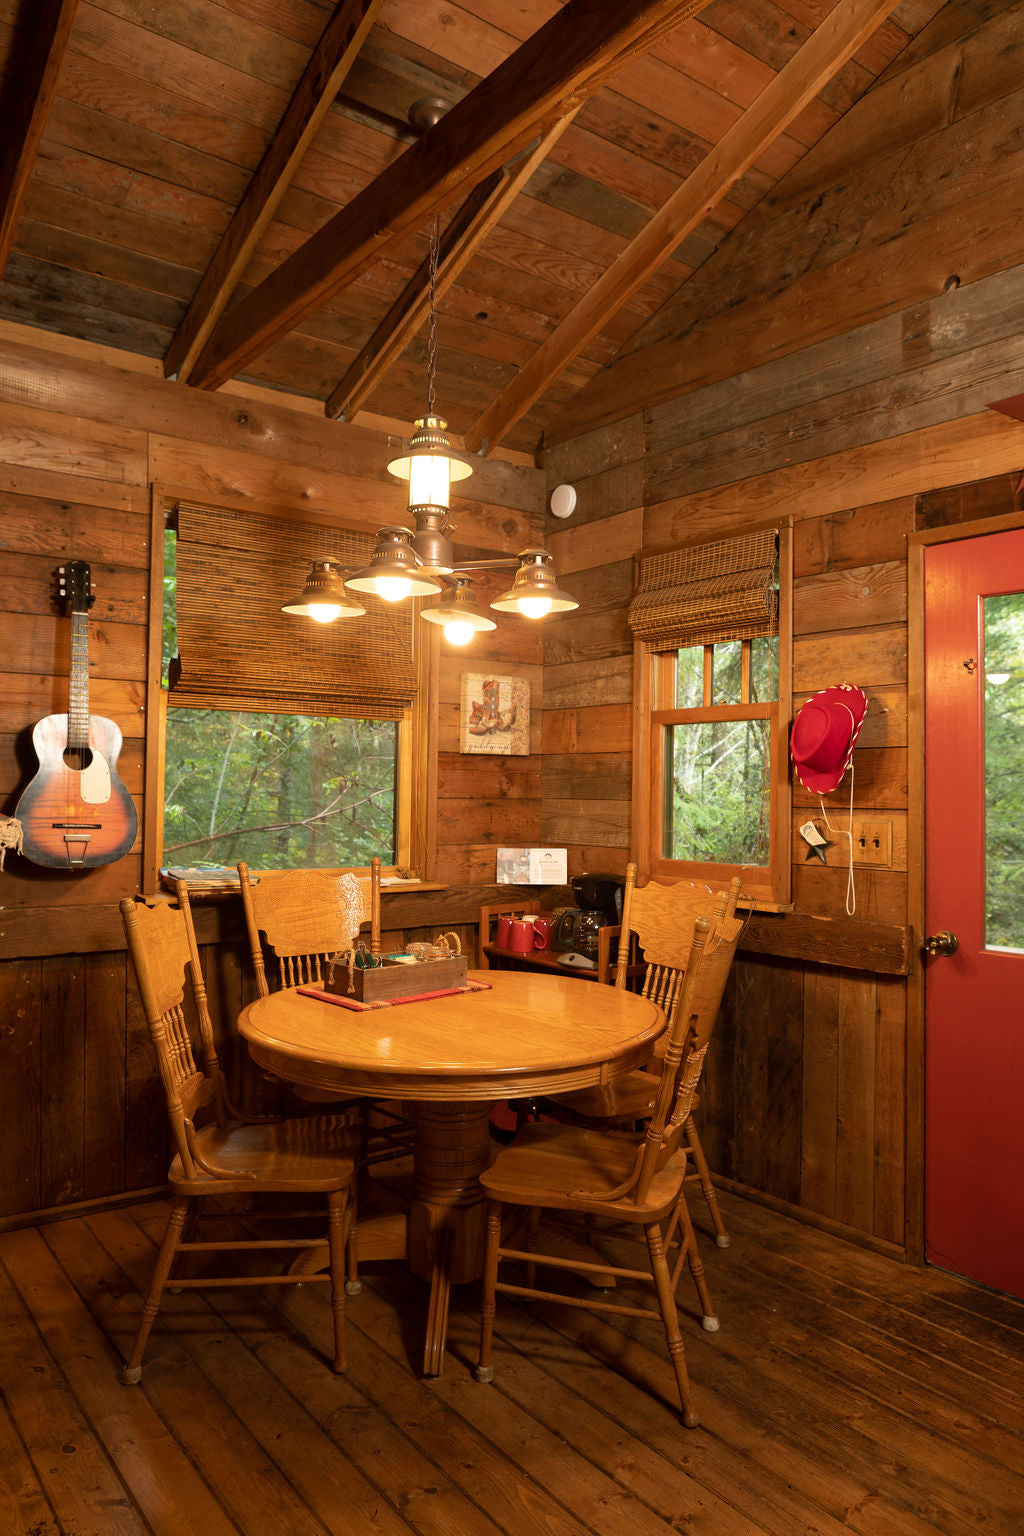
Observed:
{"x":306,"y":916}
{"x":708,"y":961}
{"x":162,"y":943}
{"x":662,"y":917}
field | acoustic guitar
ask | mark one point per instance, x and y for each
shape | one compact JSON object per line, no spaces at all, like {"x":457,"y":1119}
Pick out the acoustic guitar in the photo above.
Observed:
{"x":76,"y":813}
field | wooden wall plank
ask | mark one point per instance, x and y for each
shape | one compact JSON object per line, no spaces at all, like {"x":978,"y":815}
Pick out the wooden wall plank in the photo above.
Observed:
{"x":21,"y":1124}
{"x":819,"y":1091}
{"x":851,"y":598}
{"x":855,"y":1161}
{"x":889,"y":1215}
{"x":104,"y":1096}
{"x":62,"y":1085}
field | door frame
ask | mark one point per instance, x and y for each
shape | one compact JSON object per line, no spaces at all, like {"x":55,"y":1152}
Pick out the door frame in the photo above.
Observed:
{"x":917,"y":543}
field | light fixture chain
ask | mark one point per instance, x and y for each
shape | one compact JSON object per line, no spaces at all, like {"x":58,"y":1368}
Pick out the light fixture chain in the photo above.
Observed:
{"x":432,"y":331}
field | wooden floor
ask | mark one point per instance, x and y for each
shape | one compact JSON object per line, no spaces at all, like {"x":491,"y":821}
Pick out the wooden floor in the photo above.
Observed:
{"x":844,"y":1393}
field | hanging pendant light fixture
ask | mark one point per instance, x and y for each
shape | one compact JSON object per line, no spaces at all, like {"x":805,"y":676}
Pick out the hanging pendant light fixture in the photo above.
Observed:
{"x":418,"y":559}
{"x":459,"y":614}
{"x":323,"y":598}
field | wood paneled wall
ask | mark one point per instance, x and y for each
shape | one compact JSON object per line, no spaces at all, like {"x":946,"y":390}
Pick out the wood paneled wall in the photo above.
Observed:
{"x":84,"y":437}
{"x":831,"y":365}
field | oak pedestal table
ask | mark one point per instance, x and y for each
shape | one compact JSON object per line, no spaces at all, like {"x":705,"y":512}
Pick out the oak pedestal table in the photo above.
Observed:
{"x":452,"y":1058}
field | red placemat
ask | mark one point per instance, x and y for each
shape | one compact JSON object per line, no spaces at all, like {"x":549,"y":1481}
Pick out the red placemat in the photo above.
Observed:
{"x":391,"y":1002}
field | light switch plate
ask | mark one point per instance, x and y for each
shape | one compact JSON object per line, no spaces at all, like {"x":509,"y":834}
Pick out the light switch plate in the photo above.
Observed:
{"x":872,"y":842}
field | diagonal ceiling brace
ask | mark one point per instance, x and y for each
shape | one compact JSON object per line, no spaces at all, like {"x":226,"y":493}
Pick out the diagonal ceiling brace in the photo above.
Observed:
{"x":827,"y":49}
{"x":40,"y":71}
{"x":328,"y":64}
{"x":552,"y":73}
{"x":459,"y":243}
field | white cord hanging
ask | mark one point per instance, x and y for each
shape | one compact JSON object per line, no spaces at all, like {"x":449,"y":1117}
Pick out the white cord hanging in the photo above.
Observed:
{"x":851,"y":890}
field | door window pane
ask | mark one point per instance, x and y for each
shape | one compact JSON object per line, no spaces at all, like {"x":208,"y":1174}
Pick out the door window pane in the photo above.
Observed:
{"x":1004,"y":771}
{"x":728,"y":674}
{"x":714,"y":781}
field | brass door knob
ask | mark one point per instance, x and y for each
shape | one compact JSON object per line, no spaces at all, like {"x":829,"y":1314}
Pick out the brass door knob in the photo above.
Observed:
{"x":944,"y":943}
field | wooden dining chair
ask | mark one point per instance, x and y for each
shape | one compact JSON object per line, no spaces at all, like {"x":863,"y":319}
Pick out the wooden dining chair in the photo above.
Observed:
{"x":661,"y":918}
{"x":635,"y":1179}
{"x":220,"y":1152}
{"x":301,"y":920}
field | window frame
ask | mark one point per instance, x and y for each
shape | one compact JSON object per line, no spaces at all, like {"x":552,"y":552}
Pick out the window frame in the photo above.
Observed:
{"x":654,"y":694}
{"x":414,"y":732}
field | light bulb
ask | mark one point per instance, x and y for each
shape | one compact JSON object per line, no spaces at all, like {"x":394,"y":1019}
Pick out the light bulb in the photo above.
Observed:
{"x":534,"y":607}
{"x":458,"y":632}
{"x":323,"y":613}
{"x":393,"y":588}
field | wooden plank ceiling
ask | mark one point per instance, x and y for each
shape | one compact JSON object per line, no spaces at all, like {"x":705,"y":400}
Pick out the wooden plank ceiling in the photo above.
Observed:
{"x":234,"y":187}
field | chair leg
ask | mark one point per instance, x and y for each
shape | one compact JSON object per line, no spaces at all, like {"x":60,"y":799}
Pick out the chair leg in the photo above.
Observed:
{"x":722,"y":1238}
{"x":484,"y":1370}
{"x":688,"y":1240}
{"x":132,"y":1370}
{"x":337,"y":1201}
{"x":670,"y":1321}
{"x":353,"y":1284}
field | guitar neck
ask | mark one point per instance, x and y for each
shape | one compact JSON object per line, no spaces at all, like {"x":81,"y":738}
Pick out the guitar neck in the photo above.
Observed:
{"x":78,"y":689}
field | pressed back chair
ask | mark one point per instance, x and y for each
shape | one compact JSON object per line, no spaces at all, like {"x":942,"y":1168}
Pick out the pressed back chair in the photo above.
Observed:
{"x":662,"y":918}
{"x":304,"y":918}
{"x":631,"y":1178}
{"x":218,"y":1151}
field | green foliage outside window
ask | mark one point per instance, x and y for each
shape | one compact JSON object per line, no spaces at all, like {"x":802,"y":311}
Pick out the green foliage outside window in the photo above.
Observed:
{"x":715,"y":770}
{"x":1004,"y":771}
{"x":275,"y":790}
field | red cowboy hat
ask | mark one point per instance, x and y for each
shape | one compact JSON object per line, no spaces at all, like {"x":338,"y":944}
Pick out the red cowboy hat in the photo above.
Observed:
{"x":824,"y":734}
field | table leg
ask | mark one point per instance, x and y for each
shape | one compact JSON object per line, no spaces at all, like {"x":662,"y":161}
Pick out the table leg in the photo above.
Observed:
{"x":446,"y":1218}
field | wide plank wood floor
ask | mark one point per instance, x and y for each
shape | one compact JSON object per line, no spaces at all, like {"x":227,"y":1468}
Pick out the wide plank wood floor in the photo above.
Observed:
{"x":844,"y":1393}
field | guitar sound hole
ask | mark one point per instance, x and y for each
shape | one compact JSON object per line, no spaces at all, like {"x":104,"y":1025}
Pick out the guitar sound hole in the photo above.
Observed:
{"x":78,"y":758}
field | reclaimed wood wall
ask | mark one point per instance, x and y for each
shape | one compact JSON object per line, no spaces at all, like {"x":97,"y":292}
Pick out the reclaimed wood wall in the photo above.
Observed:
{"x":832,"y":363}
{"x":83,"y":439}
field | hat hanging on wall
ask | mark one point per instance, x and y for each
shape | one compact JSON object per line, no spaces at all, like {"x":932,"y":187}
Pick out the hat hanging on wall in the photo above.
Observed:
{"x":824,"y":734}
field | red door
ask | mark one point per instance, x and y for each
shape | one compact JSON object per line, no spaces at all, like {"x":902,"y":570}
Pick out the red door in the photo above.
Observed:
{"x":974,"y":807}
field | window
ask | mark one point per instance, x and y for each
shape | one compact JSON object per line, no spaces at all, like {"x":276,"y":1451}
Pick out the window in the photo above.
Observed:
{"x":284,"y":744}
{"x":710,"y":763}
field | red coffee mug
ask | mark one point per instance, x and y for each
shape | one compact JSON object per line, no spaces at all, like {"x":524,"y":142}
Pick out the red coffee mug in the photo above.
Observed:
{"x":501,"y":937}
{"x":542,"y":933}
{"x":520,"y":937}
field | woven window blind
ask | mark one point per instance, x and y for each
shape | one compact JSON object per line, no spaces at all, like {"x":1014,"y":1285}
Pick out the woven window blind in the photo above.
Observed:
{"x":239,"y":651}
{"x":706,"y":593}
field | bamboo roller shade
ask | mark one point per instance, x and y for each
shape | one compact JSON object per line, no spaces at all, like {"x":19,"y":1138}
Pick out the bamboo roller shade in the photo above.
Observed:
{"x":705,"y":593}
{"x":239,"y":651}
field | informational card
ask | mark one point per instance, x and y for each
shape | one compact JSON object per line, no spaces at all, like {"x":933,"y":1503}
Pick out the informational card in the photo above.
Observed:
{"x":532,"y":866}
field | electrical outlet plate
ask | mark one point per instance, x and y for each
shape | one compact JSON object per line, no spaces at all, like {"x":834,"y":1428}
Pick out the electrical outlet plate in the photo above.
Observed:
{"x":872,"y":842}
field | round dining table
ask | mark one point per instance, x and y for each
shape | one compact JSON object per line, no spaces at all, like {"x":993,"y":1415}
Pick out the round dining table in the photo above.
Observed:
{"x":450,"y":1059}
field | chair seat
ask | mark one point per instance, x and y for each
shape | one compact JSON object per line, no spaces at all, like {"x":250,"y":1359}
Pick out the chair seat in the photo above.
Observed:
{"x":566,"y":1167}
{"x":299,"y":1156}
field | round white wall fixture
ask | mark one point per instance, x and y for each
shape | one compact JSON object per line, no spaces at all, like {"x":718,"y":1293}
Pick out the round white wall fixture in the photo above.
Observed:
{"x":563,"y":500}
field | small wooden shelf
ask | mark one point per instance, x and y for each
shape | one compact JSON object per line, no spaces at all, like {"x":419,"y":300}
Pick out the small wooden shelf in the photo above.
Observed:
{"x":500,"y":959}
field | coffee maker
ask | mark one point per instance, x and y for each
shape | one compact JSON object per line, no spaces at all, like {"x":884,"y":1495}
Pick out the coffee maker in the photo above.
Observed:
{"x":598,"y":904}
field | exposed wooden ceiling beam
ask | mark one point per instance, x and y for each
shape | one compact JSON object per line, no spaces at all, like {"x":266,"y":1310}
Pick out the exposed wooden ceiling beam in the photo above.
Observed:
{"x":328,"y":64}
{"x":553,"y":72}
{"x":40,"y":72}
{"x":797,"y":83}
{"x":471,"y":225}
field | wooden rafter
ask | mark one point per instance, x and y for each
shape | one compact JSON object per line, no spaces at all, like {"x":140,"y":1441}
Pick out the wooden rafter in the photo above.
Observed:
{"x":471,"y":225}
{"x":39,"y":76}
{"x":825,"y":52}
{"x":329,"y":63}
{"x":553,"y":72}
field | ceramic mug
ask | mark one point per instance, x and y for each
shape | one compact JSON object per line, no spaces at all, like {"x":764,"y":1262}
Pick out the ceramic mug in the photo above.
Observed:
{"x":501,"y":936}
{"x":542,"y":933}
{"x":520,"y":937}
